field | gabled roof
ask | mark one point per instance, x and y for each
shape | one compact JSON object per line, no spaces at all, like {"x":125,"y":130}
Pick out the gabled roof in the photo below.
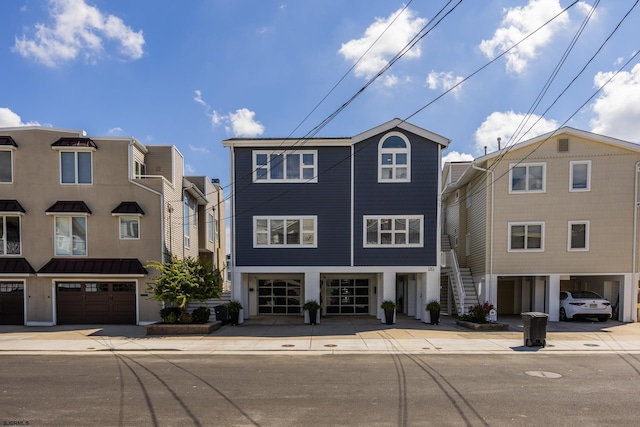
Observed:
{"x":94,"y":266}
{"x":127,"y":208}
{"x":11,"y":206}
{"x":69,"y":207}
{"x":406,"y":126}
{"x":11,"y":266}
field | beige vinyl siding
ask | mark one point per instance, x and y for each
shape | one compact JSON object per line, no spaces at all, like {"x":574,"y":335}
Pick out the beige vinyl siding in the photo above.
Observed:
{"x":160,"y":161}
{"x":478,"y":225}
{"x":608,"y":206}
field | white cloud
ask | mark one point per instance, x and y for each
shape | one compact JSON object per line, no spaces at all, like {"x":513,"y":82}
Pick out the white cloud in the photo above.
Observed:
{"x":78,"y":29}
{"x":504,"y":125}
{"x":243,"y":124}
{"x":115,"y":131}
{"x":445,"y":81}
{"x":454,"y":156}
{"x":198,"y":149}
{"x":198,"y":98}
{"x":516,"y":24}
{"x":617,"y":111}
{"x":10,"y":119}
{"x":188,"y":169}
{"x":393,"y":41}
{"x":390,"y":80}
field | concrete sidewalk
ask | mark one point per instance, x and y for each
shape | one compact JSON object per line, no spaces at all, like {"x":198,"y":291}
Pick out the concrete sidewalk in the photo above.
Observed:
{"x":285,"y":334}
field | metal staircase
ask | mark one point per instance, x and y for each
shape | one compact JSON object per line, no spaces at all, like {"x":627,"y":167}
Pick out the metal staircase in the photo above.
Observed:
{"x":455,"y":281}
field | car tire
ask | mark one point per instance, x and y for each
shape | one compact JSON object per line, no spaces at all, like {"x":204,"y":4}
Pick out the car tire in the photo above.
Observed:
{"x":602,"y":319}
{"x":563,"y":314}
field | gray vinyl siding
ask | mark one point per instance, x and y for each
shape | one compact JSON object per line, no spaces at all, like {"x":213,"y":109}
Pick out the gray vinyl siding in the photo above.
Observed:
{"x":418,"y":197}
{"x":328,"y":199}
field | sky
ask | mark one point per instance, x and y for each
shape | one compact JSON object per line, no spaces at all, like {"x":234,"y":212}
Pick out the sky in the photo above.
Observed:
{"x":193,"y":73}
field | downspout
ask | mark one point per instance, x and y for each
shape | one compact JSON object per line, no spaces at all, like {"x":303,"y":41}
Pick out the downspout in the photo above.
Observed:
{"x":473,"y":165}
{"x":635,"y":238}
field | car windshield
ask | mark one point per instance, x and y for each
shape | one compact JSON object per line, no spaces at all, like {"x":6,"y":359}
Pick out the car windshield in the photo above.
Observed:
{"x":585,"y":294}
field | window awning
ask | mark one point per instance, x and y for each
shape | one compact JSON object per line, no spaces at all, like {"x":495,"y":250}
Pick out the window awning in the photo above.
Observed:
{"x":15,"y":266}
{"x":69,"y":207}
{"x":7,"y":141}
{"x":75,"y":142}
{"x":93,"y":266}
{"x":128,"y":208}
{"x":11,"y":206}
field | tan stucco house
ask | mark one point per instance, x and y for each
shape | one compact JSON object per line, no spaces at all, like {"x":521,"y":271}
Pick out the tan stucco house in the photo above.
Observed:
{"x":556,"y":212}
{"x":81,"y":216}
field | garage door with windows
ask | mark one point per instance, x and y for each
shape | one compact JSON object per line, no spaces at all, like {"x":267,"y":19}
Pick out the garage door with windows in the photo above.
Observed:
{"x":96,"y":302}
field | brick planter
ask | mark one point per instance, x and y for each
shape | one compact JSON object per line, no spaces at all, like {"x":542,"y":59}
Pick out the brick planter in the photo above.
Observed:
{"x":483,"y":326}
{"x":182,"y":329}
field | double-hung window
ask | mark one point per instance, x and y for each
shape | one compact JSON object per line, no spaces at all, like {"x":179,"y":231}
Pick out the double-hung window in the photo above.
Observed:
{"x":394,"y":158}
{"x":526,"y":236}
{"x":76,"y":167}
{"x":210,"y":220}
{"x":578,"y":239}
{"x":129,"y":227}
{"x":187,"y":227}
{"x":6,"y":166}
{"x":278,"y":231}
{"x":527,"y":178}
{"x":285,"y":166}
{"x":393,"y":231}
{"x":70,"y":235}
{"x":10,"y":235}
{"x":580,"y":175}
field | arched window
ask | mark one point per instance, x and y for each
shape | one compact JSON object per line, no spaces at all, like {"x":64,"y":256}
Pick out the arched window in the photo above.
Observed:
{"x":394,"y":158}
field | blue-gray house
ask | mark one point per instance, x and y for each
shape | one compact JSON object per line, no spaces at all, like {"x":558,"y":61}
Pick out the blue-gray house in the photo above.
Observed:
{"x":348,"y":222}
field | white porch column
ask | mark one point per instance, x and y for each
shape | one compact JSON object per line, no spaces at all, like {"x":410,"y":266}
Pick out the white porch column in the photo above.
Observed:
{"x":311,"y":291}
{"x":240,"y":292}
{"x":431,"y":280}
{"x":628,"y":292}
{"x":388,"y":291}
{"x":554,"y":297}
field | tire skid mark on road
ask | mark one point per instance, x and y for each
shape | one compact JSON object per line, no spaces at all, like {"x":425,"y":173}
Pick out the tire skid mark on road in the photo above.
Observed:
{"x":456,"y":398}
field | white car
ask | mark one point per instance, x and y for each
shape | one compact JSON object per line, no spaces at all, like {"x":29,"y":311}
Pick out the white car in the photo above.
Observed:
{"x":584,"y":304}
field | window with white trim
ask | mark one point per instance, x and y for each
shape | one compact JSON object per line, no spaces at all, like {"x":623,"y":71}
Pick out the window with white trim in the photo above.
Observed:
{"x":6,"y":166}
{"x":526,"y":236}
{"x":70,"y":235}
{"x":393,"y":231}
{"x":210,"y":227}
{"x":76,"y":167}
{"x":129,"y":227}
{"x":527,"y":178}
{"x":580,"y":175}
{"x":578,"y":239}
{"x":187,"y":227}
{"x":10,"y":243}
{"x":285,"y":166}
{"x":394,"y":158}
{"x":280,"y":231}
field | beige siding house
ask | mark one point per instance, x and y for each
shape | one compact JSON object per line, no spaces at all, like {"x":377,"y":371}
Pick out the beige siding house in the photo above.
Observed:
{"x":80,"y":217}
{"x":556,"y":212}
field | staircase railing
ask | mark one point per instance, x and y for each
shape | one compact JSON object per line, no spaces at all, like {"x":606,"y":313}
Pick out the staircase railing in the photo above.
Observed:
{"x":456,"y":280}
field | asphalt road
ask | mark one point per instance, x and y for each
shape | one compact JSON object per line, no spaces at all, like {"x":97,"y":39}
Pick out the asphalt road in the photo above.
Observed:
{"x":129,"y":389}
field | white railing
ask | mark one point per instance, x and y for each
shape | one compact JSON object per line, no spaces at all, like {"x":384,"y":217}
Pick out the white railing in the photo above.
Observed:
{"x":456,"y":280}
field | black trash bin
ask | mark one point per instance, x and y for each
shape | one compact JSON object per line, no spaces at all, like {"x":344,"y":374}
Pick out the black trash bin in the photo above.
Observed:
{"x":221,"y":314}
{"x":535,"y":328}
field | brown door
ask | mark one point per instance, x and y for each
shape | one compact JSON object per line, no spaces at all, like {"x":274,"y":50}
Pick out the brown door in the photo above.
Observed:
{"x":11,"y":303}
{"x":506,"y":297}
{"x":96,"y":303}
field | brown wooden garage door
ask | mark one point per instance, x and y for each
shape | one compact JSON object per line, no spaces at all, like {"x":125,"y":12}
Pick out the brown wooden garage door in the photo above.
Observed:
{"x":11,"y":303}
{"x":95,"y":303}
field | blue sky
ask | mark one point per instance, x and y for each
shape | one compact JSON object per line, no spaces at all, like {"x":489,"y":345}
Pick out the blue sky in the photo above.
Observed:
{"x":194,"y":73}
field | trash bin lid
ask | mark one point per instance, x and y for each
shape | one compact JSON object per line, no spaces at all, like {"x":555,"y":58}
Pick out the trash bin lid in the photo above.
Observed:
{"x":534,"y":314}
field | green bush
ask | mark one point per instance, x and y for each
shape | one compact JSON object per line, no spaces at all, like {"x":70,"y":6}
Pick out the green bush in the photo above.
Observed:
{"x":185,"y":318}
{"x":201,"y":314}
{"x":167,"y":311}
{"x":477,"y":313}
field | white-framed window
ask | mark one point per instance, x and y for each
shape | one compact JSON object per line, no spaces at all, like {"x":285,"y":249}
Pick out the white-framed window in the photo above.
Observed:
{"x":578,"y":238}
{"x":526,"y":236}
{"x":10,"y":243}
{"x":580,"y":175}
{"x":527,"y":178}
{"x":76,"y":167}
{"x":210,"y":225}
{"x":129,"y":227}
{"x":394,"y":158}
{"x":140,"y":170}
{"x":70,"y":235}
{"x":285,"y":166}
{"x":216,"y":230}
{"x":187,"y":227}
{"x":6,"y":166}
{"x":285,"y":231}
{"x":393,"y":231}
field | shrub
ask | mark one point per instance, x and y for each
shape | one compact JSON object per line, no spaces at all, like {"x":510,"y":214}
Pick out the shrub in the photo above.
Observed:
{"x":477,"y":313}
{"x":167,"y":311}
{"x":201,"y":314}
{"x":185,"y":318}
